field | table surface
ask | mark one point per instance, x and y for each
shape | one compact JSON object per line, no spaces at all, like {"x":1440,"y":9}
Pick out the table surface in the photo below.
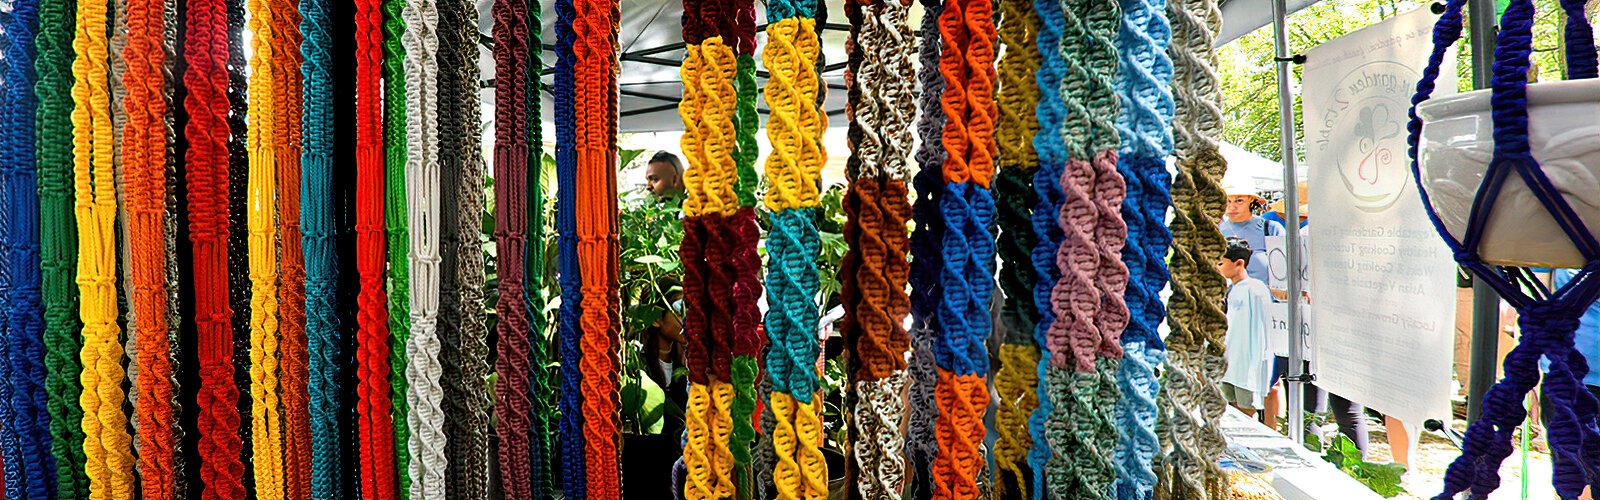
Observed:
{"x":1298,"y":474}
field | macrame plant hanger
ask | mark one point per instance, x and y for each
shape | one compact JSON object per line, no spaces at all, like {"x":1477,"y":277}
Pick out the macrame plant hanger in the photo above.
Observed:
{"x":1548,"y":317}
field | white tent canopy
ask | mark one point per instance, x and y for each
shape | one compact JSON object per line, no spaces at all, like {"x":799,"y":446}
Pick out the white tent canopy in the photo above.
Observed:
{"x":1263,"y":174}
{"x":652,"y":46}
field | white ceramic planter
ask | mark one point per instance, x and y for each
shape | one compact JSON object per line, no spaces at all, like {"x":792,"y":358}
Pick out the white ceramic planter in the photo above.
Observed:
{"x":1564,"y":132}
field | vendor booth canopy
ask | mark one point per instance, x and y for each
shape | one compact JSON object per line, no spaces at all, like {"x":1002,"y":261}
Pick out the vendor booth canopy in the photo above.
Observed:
{"x":651,"y":43}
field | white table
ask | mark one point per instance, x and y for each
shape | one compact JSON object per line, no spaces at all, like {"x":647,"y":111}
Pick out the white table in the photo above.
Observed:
{"x":1298,"y":474}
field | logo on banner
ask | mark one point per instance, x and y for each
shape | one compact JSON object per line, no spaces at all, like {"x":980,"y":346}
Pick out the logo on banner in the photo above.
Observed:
{"x":1369,"y":111}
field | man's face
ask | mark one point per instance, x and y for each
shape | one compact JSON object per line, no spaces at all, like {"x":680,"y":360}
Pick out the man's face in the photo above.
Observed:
{"x":1238,"y":209}
{"x":662,"y":179}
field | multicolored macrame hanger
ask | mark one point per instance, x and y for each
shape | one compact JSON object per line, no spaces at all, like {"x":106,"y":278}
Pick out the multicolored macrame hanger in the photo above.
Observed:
{"x":875,"y":268}
{"x":1017,"y":380}
{"x":1143,"y":79}
{"x":926,"y":261}
{"x":1195,"y":345}
{"x":463,"y":332}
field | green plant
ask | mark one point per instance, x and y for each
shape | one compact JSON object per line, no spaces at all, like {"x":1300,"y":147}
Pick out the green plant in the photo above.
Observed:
{"x":1384,"y":479}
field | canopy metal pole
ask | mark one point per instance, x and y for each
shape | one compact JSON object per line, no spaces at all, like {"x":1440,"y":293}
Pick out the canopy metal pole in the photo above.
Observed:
{"x":1485,"y":302}
{"x":1294,"y":383}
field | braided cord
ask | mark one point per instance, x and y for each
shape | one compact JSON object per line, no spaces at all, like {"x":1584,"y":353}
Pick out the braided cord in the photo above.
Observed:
{"x":967,"y":32}
{"x":23,"y":317}
{"x":1017,"y":380}
{"x":543,"y":396}
{"x":239,"y":286}
{"x":206,"y":78}
{"x":462,"y":329}
{"x":292,"y":295}
{"x":323,"y":337}
{"x":594,"y":52}
{"x":512,"y":408}
{"x":23,"y":320}
{"x":425,"y":462}
{"x":376,"y":445}
{"x":573,"y":459}
{"x":1196,"y":316}
{"x":1143,"y":79}
{"x":926,"y":264}
{"x":106,"y":444}
{"x":396,"y":159}
{"x":266,"y":419}
{"x":876,"y":268}
{"x":793,"y":173}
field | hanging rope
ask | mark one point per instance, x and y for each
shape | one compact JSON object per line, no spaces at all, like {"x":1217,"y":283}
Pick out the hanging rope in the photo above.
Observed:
{"x":512,"y":407}
{"x":291,"y":292}
{"x":58,"y":246}
{"x":239,"y":285}
{"x":376,"y":438}
{"x":395,"y":218}
{"x":266,"y":421}
{"x":573,"y":467}
{"x":206,"y":78}
{"x":324,"y":341}
{"x":106,"y":443}
{"x":968,"y":34}
{"x":1017,"y":381}
{"x":1093,"y":276}
{"x":543,"y":412}
{"x":462,"y":329}
{"x":594,"y":55}
{"x":10,"y":428}
{"x":1144,"y":76}
{"x":875,"y":269}
{"x":793,"y":172}
{"x":1196,"y":315}
{"x":926,"y":263}
{"x":424,"y":396}
{"x":24,"y":316}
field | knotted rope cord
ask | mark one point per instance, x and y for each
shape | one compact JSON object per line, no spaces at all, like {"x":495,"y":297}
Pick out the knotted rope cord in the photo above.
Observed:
{"x":206,"y":78}
{"x":324,"y":342}
{"x":712,"y":178}
{"x":967,"y":32}
{"x":793,"y":173}
{"x":1050,"y":144}
{"x":1548,"y":317}
{"x":544,"y":409}
{"x":266,"y":416}
{"x":424,"y":396}
{"x":464,"y":334}
{"x":124,"y":252}
{"x":58,"y":252}
{"x":574,"y":478}
{"x":594,"y":54}
{"x":395,"y":218}
{"x":749,"y":342}
{"x":24,"y":318}
{"x":510,"y":234}
{"x":1017,"y":381}
{"x":291,"y":292}
{"x":876,"y":269}
{"x":926,"y":263}
{"x":106,"y":444}
{"x":169,"y":45}
{"x":1196,"y":316}
{"x":1143,"y":79}
{"x":376,"y":442}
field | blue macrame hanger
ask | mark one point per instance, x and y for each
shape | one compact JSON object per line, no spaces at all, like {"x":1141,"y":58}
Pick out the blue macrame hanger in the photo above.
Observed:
{"x":1548,"y":318}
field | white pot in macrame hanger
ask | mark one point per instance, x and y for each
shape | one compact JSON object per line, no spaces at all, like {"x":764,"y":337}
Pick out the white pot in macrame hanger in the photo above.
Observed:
{"x":1563,"y":134}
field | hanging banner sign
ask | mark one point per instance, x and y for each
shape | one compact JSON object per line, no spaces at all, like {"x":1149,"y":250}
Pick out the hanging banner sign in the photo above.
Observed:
{"x":1383,"y":301}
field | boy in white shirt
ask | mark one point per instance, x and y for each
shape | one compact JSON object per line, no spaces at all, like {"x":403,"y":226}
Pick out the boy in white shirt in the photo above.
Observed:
{"x":1248,"y":378}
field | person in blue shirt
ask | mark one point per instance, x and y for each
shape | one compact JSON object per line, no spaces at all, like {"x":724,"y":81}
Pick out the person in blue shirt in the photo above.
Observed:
{"x":1240,"y":221}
